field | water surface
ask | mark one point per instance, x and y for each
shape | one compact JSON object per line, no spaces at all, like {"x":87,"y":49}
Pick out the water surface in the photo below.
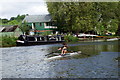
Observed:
{"x":28,"y":62}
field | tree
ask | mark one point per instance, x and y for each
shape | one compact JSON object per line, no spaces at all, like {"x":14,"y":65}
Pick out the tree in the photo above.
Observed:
{"x":12,"y":18}
{"x":71,"y":16}
{"x":25,"y":28}
{"x":100,"y":17}
{"x":117,"y":13}
{"x":13,"y":22}
{"x":5,"y":21}
{"x":105,"y":17}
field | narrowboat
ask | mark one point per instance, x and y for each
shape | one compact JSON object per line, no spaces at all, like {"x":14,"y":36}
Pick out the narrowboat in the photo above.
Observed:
{"x":27,"y":40}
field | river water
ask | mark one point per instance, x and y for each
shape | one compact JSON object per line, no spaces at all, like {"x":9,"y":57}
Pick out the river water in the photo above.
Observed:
{"x":29,"y":61}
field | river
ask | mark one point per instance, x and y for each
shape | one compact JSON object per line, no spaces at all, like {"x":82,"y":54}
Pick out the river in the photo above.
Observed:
{"x":29,"y":61}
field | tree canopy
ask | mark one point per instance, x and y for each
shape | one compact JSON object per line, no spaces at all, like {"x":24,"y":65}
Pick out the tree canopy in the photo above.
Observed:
{"x":101,"y":17}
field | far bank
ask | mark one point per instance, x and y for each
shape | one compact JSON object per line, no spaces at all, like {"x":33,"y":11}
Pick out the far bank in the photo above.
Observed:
{"x":10,"y":41}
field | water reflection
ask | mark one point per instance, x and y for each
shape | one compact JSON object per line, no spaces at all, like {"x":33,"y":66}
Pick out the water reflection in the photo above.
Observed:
{"x":28,"y":62}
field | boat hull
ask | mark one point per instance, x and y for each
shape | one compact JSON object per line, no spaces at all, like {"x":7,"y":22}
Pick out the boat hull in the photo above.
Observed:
{"x":37,"y":43}
{"x":60,"y":56}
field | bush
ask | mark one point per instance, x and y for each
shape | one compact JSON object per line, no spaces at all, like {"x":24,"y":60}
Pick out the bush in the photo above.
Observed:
{"x":70,"y":38}
{"x":7,"y":41}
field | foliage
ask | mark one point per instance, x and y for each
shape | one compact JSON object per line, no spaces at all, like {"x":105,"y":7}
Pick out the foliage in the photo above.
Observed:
{"x":13,"y":20}
{"x":85,"y":16}
{"x":4,"y":21}
{"x":70,"y":38}
{"x":25,"y":28}
{"x":106,"y":17}
{"x":117,"y":10}
{"x":7,"y":41}
{"x":69,"y":16}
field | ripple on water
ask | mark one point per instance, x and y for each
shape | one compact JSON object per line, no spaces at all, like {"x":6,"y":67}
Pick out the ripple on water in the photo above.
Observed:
{"x":28,"y":62}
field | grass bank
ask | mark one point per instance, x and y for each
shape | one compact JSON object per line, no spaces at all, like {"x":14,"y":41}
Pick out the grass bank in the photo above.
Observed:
{"x":7,"y":41}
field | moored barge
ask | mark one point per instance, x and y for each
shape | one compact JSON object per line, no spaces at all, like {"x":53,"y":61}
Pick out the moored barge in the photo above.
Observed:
{"x":27,"y":40}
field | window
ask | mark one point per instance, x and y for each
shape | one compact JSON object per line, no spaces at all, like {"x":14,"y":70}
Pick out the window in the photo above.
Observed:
{"x":31,"y":38}
{"x":48,"y":24}
{"x":40,"y":24}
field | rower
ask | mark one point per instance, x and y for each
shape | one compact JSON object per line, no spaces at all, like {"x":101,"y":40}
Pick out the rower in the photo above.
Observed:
{"x":63,"y":49}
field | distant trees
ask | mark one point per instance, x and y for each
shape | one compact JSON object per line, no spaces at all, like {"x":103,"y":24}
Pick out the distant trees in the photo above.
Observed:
{"x":17,"y":21}
{"x":4,"y":21}
{"x":85,"y":16}
{"x":13,"y":20}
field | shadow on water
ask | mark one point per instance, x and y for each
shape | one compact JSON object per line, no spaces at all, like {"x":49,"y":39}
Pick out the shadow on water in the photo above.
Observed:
{"x":96,"y":61}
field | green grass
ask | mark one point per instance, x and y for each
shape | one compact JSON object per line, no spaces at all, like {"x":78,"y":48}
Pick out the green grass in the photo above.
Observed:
{"x":7,"y":41}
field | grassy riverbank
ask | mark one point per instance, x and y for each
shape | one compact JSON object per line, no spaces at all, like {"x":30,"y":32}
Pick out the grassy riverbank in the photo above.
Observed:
{"x":7,"y":41}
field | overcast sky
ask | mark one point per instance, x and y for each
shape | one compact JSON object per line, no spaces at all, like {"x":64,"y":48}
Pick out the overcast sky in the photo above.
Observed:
{"x":11,"y":8}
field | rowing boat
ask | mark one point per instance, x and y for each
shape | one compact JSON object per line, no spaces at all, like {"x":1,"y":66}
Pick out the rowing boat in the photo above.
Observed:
{"x":61,"y":56}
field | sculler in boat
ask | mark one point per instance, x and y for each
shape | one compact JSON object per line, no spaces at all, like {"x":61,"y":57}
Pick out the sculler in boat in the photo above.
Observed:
{"x":64,"y":53}
{"x":63,"y":49}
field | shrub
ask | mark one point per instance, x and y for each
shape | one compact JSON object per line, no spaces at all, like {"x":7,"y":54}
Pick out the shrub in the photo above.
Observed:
{"x":7,"y":41}
{"x":70,"y":38}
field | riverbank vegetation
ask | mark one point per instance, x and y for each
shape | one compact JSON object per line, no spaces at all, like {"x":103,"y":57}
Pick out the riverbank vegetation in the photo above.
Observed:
{"x":70,"y":38}
{"x":7,"y":41}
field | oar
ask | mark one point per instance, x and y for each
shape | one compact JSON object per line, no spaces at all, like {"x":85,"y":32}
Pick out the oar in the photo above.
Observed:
{"x":51,"y":53}
{"x":57,"y":51}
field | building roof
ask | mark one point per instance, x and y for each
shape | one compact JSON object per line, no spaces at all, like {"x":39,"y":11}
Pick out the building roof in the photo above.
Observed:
{"x":38,"y":18}
{"x":9,"y":29}
{"x":1,"y":28}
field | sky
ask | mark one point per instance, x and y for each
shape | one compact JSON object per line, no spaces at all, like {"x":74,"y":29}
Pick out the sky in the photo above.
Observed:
{"x":11,"y":8}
